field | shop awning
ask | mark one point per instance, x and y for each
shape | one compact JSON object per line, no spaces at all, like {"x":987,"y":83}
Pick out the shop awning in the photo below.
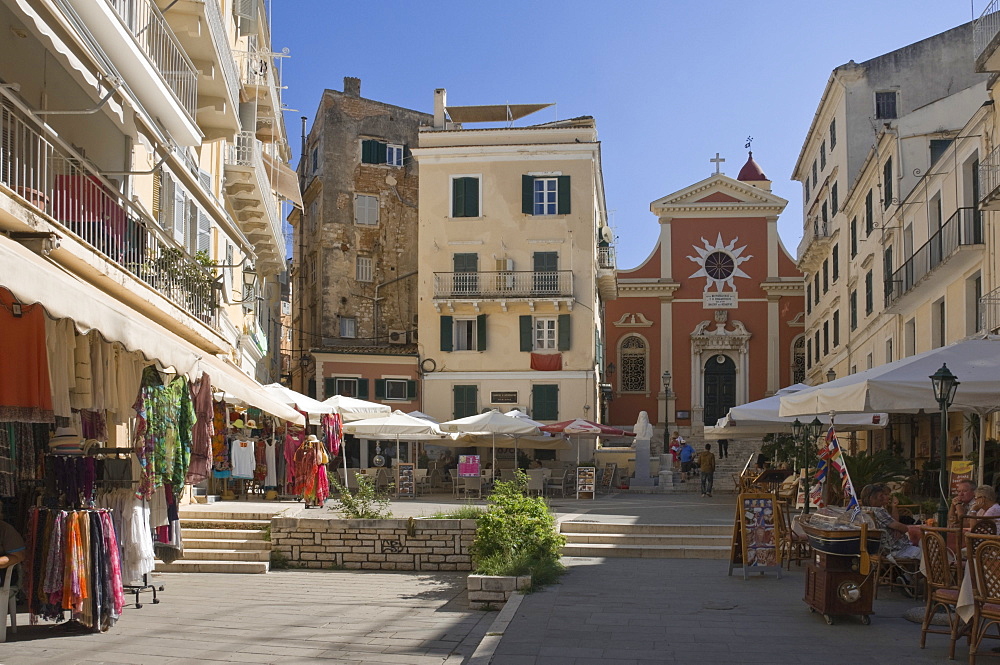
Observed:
{"x":35,"y":279}
{"x":284,"y":180}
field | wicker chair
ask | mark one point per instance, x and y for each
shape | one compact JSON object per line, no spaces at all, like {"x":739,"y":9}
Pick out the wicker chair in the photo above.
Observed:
{"x":794,"y":546}
{"x":985,"y":554}
{"x":942,"y":584}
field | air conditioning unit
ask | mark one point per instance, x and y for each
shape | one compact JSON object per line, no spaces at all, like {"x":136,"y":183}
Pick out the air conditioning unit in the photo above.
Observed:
{"x":413,"y":337}
{"x":397,"y":337}
{"x":522,"y":409}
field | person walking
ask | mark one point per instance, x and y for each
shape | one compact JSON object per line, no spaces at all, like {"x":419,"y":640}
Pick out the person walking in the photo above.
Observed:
{"x":723,"y":448}
{"x":706,"y":462}
{"x":687,"y":459}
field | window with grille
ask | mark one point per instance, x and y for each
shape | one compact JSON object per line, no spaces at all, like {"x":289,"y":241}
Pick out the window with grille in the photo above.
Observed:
{"x":799,"y":360}
{"x":633,"y":355}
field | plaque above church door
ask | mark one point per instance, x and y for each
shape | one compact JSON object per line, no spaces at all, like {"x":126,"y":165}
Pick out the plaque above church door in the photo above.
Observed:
{"x":720,"y":387}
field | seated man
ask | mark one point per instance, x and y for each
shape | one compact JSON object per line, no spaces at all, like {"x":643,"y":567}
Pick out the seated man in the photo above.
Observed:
{"x":897,"y":538}
{"x":12,"y":550}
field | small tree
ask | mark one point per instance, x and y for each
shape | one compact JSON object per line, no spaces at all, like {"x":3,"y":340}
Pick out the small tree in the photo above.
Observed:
{"x":366,"y":503}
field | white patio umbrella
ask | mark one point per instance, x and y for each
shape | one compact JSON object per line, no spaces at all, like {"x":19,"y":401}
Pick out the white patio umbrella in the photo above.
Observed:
{"x":352,"y":408}
{"x":490,"y":423}
{"x":761,"y":417}
{"x":296,"y":400}
{"x":904,"y":386}
{"x":397,"y":425}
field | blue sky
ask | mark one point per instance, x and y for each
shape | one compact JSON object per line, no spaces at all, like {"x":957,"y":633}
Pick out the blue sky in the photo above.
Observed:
{"x":670,"y":83}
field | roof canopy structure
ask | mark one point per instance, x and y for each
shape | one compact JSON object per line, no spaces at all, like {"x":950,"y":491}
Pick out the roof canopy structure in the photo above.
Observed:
{"x":493,"y":112}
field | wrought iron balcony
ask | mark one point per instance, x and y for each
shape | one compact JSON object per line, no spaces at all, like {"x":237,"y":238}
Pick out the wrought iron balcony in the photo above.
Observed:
{"x":963,"y":228}
{"x":814,"y":231}
{"x":989,"y":181}
{"x":249,"y":190}
{"x":503,"y":285}
{"x":147,"y":26}
{"x":220,"y":40}
{"x":56,"y":181}
{"x":989,"y":312}
{"x":606,"y":259}
{"x":985,"y":38}
{"x":261,"y":79}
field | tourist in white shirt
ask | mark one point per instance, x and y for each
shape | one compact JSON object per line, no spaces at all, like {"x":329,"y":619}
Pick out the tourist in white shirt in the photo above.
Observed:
{"x":984,"y":502}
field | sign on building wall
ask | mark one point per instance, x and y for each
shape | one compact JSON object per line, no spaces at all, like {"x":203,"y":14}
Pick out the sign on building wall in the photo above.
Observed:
{"x":503,"y":397}
{"x":726,"y":300}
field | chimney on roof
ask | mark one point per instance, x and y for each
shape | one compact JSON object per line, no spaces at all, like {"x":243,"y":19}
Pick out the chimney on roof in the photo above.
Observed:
{"x":440,"y":100}
{"x":352,"y":86}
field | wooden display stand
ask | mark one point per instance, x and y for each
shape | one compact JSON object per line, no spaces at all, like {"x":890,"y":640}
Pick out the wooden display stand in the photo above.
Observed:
{"x":586,"y":482}
{"x":607,"y":479}
{"x":840,"y":581}
{"x":406,"y":488}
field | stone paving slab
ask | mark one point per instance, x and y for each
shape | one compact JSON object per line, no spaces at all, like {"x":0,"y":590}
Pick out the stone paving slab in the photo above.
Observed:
{"x":645,"y":611}
{"x":285,"y":617}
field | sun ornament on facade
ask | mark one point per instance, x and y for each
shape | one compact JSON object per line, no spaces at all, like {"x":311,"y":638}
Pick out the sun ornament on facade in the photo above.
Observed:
{"x":719,"y":264}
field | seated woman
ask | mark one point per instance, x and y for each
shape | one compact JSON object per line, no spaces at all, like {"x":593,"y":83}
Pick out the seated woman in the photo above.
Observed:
{"x":897,"y":538}
{"x":984,"y":502}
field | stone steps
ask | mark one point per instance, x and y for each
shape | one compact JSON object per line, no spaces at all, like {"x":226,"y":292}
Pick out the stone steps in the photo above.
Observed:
{"x":226,"y":555}
{"x":212,"y":566}
{"x":663,"y":541}
{"x":217,"y":541}
{"x":222,"y":543}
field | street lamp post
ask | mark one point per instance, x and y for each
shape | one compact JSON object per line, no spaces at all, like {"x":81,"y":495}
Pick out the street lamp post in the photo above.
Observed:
{"x":945,"y":383}
{"x":830,"y":375}
{"x":806,"y":434}
{"x":665,"y":378}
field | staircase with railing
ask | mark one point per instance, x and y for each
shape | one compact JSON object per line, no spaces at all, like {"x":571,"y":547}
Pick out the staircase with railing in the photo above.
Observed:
{"x":55,"y":180}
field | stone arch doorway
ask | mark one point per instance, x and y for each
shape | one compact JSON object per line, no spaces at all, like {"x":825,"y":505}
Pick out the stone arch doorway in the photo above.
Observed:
{"x":720,"y":387}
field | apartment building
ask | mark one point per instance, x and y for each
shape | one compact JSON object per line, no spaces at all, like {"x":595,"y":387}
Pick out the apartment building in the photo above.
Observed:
{"x":355,"y":307}
{"x":894,"y":243}
{"x":515,"y":263}
{"x":142,"y":169}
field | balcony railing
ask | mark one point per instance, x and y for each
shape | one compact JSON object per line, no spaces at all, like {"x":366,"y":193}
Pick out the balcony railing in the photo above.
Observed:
{"x":989,"y":175}
{"x":146,"y":24}
{"x":246,"y":152}
{"x":965,"y":227}
{"x":217,"y":28}
{"x":989,"y":312}
{"x":504,"y":284}
{"x":986,"y":28}
{"x":814,"y":230}
{"x":606,"y":259}
{"x":57,"y":181}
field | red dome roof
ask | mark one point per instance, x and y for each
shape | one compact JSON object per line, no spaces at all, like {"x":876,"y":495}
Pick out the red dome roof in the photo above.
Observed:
{"x":751,"y":170}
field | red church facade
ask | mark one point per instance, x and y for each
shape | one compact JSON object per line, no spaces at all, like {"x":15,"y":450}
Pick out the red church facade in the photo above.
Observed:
{"x":718,"y":304}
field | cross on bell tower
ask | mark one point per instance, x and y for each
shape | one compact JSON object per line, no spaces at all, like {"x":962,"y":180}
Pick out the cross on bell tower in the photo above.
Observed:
{"x":718,"y":162}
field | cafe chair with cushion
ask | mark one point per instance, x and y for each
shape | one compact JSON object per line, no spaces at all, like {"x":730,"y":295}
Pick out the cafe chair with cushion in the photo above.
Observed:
{"x":897,"y":573}
{"x":794,"y":546}
{"x":942,"y":585}
{"x":985,"y":562}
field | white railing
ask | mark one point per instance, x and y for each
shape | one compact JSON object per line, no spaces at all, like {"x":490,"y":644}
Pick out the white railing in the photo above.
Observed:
{"x":504,"y":284}
{"x":217,"y":29}
{"x":150,"y":30}
{"x":989,"y":175}
{"x":55,"y":180}
{"x":815,"y":229}
{"x":606,"y":258}
{"x":246,"y":152}
{"x":989,"y":312}
{"x":986,"y":28}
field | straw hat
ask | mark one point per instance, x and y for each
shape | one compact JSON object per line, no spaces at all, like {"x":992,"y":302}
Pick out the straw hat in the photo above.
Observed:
{"x":251,"y":424}
{"x":238,"y":423}
{"x":312,"y":439}
{"x":66,"y":441}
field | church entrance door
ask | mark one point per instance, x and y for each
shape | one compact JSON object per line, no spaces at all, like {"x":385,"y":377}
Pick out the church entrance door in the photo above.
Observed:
{"x":720,"y":387}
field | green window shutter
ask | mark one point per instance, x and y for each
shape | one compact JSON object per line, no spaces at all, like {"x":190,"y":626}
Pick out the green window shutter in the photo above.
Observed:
{"x":411,"y":390}
{"x":380,"y":149}
{"x":447,"y":332}
{"x":527,"y":194}
{"x":563,"y":196}
{"x":564,"y":332}
{"x":312,"y":388}
{"x":379,"y":388}
{"x":471,"y":197}
{"x":369,"y":149}
{"x":362,"y":388}
{"x":458,"y":197}
{"x":330,"y":387}
{"x":481,"y":332}
{"x":526,"y":326}
{"x":545,"y":402}
{"x":465,"y":398}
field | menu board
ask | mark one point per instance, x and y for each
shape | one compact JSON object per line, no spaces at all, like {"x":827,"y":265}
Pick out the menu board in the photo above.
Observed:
{"x":756,"y":535}
{"x":468,"y":466}
{"x":586,"y":477}
{"x":607,"y":478}
{"x":405,"y":486}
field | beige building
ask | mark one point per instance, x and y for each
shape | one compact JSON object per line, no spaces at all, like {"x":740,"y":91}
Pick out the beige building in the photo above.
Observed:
{"x":515,"y":264}
{"x":143,"y":151}
{"x":895,"y":244}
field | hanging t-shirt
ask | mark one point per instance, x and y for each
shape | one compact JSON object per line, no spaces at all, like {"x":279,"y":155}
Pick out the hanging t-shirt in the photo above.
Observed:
{"x":243,"y":459}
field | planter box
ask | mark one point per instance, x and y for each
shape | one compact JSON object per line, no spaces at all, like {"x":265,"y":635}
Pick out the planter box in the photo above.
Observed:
{"x":494,"y":590}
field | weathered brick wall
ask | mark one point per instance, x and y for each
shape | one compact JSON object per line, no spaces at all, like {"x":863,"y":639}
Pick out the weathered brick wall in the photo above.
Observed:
{"x":374,"y":544}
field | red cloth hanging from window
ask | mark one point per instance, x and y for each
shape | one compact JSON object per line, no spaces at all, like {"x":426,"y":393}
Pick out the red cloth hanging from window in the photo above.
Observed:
{"x":546,"y":362}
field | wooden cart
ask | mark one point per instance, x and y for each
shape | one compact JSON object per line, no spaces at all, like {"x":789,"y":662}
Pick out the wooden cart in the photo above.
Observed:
{"x":839,"y":579}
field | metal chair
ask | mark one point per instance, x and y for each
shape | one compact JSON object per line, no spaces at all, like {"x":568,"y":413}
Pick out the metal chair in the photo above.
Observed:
{"x":470,"y":485}
{"x":942,"y":584}
{"x":536,"y":481}
{"x":8,"y":601}
{"x":557,"y":481}
{"x":985,"y":557}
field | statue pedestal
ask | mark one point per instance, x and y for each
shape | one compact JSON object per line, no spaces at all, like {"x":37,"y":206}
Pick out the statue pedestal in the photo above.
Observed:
{"x":642,"y":477}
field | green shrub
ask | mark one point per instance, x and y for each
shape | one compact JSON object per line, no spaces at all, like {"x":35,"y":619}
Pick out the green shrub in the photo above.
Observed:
{"x":879,"y":467}
{"x":517,"y":535}
{"x":366,"y":503}
{"x":467,"y":512}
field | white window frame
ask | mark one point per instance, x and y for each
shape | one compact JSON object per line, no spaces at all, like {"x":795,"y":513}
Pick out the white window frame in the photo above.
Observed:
{"x":393,"y":154}
{"x":396,"y":382}
{"x":545,"y":333}
{"x":348,"y":327}
{"x":364,"y":270}
{"x":370,"y":209}
{"x":342,"y":381}
{"x":465,"y":330}
{"x":549,"y":205}
{"x":451,"y":193}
